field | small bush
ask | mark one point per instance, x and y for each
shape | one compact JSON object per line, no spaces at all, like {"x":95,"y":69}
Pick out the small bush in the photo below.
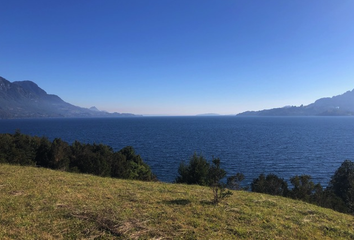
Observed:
{"x":216,"y":173}
{"x":200,"y":171}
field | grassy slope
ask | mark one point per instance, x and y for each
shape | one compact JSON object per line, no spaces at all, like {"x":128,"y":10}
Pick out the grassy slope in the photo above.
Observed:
{"x":46,"y":204}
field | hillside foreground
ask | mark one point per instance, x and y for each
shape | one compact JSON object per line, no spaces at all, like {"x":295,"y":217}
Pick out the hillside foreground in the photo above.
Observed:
{"x":38,"y":203}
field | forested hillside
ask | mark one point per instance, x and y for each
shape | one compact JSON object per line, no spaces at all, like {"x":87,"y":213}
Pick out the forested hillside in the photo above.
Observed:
{"x":97,"y":159}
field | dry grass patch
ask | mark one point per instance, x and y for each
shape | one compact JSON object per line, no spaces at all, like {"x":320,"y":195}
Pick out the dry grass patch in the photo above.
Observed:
{"x":46,"y":204}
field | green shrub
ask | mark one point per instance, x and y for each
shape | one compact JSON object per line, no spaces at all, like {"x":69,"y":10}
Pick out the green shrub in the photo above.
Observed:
{"x":216,"y":174}
{"x":195,"y":172}
{"x":200,"y":171}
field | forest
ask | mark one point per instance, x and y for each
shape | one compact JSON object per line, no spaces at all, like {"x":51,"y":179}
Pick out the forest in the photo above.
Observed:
{"x":97,"y":159}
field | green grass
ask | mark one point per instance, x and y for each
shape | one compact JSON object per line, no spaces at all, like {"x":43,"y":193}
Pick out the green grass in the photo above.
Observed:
{"x":45,"y":204}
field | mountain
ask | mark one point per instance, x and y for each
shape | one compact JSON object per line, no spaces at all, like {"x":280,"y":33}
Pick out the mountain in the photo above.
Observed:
{"x":341,"y":105}
{"x":24,"y":99}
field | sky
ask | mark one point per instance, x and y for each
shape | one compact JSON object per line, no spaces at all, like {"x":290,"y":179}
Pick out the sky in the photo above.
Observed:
{"x":178,"y":57}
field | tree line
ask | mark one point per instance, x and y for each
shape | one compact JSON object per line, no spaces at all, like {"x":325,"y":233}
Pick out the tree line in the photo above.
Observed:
{"x":102,"y":160}
{"x":97,"y":159}
{"x":338,"y":195}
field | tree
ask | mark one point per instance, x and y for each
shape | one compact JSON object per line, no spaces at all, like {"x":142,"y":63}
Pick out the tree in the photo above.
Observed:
{"x":136,"y":168}
{"x":325,"y":198}
{"x":6,"y":146}
{"x":119,"y":166}
{"x":234,"y":182}
{"x":342,"y":184}
{"x":200,"y":171}
{"x":318,"y":195}
{"x":303,"y":187}
{"x":270,"y":184}
{"x":59,"y":155}
{"x":42,"y":156}
{"x":23,"y":149}
{"x":216,"y":173}
{"x":195,"y":172}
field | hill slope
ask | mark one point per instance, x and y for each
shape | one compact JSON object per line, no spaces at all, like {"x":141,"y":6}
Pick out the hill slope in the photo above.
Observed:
{"x":24,"y":99}
{"x":46,"y":204}
{"x":341,"y":105}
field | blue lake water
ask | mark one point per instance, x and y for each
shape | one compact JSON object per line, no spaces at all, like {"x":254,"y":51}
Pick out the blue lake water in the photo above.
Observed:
{"x":286,"y":146}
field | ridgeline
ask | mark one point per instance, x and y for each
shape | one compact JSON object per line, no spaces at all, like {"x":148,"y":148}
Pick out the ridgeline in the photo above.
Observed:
{"x":25,"y":99}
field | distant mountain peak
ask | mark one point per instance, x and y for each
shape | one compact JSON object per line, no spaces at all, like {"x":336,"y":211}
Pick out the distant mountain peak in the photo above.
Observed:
{"x":93,"y":108}
{"x":31,"y":87}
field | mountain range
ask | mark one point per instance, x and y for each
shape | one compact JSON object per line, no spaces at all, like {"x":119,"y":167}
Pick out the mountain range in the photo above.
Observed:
{"x":24,"y":99}
{"x":340,"y":105}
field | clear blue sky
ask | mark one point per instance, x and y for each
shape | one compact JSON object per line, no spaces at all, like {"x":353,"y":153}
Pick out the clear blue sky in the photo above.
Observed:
{"x":176,"y":57}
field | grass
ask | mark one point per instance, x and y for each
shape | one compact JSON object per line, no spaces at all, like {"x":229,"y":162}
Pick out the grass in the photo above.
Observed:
{"x":45,"y":204}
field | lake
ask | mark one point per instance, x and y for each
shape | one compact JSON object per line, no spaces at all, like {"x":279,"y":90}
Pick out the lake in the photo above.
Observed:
{"x":285,"y":146}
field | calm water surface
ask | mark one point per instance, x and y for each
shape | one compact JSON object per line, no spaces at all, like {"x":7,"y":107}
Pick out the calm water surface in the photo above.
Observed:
{"x":285,"y":146}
